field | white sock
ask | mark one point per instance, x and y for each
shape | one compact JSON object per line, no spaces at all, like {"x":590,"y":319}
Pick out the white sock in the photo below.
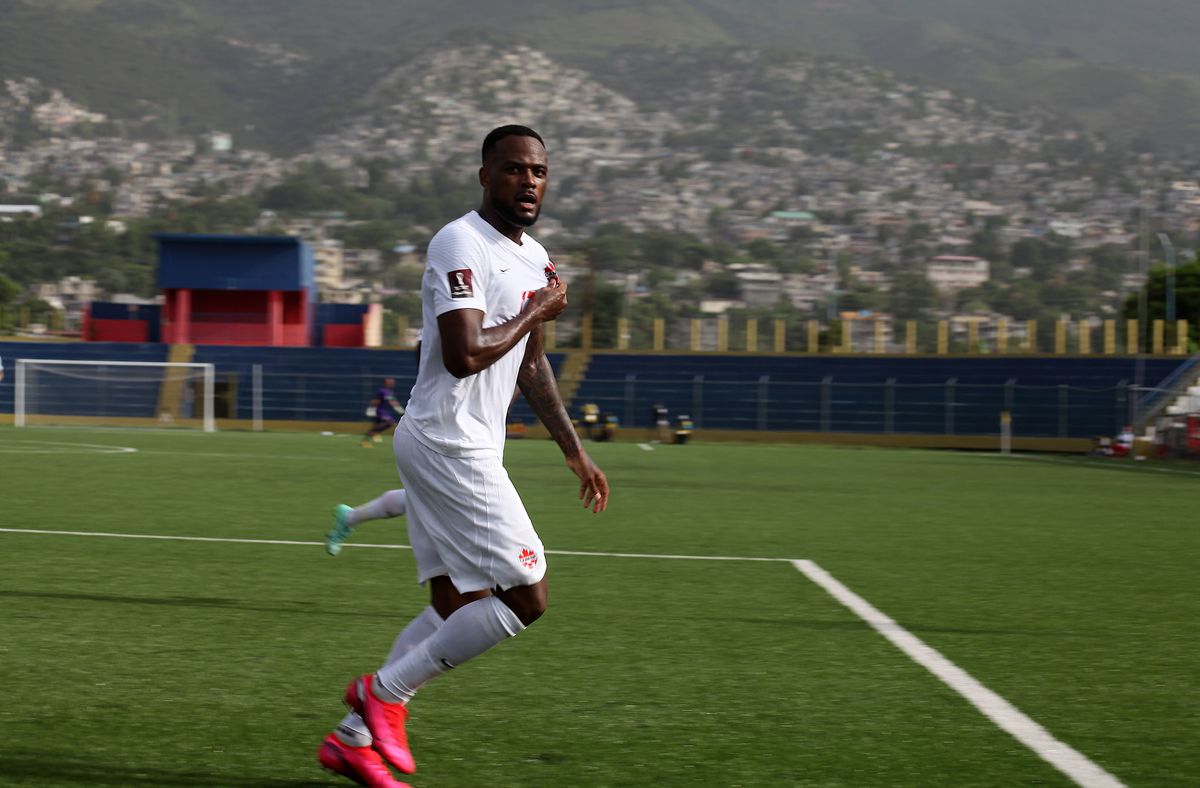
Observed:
{"x":352,"y":730}
{"x":468,"y":632}
{"x":425,"y":624}
{"x":392,"y":503}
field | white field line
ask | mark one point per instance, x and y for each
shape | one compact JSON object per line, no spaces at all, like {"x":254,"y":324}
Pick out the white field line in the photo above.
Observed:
{"x":1009,"y":718}
{"x":229,"y":540}
{"x":1102,"y":465}
{"x":645,"y":447}
{"x":58,"y":447}
{"x":1061,"y":756}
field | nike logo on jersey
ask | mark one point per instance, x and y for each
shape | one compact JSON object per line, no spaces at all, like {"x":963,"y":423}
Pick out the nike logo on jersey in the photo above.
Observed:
{"x":505,"y":270}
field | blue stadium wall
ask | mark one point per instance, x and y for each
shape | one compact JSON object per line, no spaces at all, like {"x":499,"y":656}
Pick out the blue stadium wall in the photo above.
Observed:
{"x":1046,"y":396}
{"x":743,"y":394}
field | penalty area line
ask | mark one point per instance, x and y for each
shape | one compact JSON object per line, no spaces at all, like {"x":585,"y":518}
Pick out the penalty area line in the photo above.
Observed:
{"x":234,"y":540}
{"x":1006,"y":716}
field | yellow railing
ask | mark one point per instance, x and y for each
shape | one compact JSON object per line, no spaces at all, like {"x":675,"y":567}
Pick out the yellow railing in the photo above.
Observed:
{"x":875,"y":336}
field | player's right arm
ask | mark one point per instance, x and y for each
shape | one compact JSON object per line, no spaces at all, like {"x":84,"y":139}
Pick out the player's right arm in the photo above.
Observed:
{"x":468,"y":347}
{"x":454,"y":283}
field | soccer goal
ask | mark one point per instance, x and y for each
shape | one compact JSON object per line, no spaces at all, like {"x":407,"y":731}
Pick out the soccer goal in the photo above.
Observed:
{"x":113,"y":393}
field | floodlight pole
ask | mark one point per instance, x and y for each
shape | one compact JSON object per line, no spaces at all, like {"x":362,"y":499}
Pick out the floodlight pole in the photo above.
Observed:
{"x":1139,"y":365}
{"x":1169,"y":248}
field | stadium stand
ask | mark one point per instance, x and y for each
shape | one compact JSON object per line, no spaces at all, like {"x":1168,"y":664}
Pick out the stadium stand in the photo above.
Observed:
{"x":1050,"y":396}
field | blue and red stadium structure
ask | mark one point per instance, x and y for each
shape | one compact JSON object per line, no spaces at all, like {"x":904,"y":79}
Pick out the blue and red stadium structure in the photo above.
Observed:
{"x":232,"y":290}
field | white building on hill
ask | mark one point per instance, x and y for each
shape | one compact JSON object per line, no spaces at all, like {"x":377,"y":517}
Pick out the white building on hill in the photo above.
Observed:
{"x":950,"y":272}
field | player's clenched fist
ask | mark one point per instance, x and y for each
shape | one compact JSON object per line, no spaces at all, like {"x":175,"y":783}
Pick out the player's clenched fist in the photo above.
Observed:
{"x":550,"y":301}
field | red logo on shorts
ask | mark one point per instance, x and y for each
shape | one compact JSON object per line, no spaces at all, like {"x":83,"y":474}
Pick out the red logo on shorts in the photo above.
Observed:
{"x":528,"y":558}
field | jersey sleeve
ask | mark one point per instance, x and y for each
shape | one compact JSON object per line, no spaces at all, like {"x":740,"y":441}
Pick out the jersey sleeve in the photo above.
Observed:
{"x":455,"y":271}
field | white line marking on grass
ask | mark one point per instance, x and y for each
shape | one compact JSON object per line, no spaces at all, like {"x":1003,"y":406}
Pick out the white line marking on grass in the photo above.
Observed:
{"x":1009,"y":718}
{"x":231,"y":540}
{"x":21,"y":446}
{"x":61,"y":447}
{"x":1117,"y":465}
{"x":166,"y":538}
{"x":645,"y":447}
{"x":667,"y":557}
{"x":243,"y":455}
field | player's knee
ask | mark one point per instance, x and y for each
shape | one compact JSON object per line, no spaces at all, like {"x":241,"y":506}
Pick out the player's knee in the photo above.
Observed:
{"x":533,"y":611}
{"x":528,"y":602}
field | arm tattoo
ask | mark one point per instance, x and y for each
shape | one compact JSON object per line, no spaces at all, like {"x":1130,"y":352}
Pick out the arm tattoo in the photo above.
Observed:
{"x":537,"y":383}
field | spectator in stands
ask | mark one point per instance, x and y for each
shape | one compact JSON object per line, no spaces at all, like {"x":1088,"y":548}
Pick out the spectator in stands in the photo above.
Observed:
{"x":683,"y":428}
{"x":591,"y":420}
{"x":1123,"y":445}
{"x":384,"y":411}
{"x":662,"y":422}
{"x":1,"y":369}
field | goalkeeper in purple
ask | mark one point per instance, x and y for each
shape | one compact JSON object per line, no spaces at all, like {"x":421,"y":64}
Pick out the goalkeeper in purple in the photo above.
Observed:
{"x":384,"y":411}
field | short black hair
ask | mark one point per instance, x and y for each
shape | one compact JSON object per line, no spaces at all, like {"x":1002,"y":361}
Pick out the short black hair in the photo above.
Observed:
{"x":513,"y":130}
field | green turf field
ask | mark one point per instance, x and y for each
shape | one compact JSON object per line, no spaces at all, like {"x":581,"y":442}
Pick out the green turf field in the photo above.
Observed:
{"x":1068,"y":588}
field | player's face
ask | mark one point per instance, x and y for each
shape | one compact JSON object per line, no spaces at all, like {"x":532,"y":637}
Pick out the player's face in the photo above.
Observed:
{"x":514,"y":180}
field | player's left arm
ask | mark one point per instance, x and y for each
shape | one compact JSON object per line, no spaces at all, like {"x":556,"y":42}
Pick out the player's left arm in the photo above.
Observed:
{"x":537,"y":383}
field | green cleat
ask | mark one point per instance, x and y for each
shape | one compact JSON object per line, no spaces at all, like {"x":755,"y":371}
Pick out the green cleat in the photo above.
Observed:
{"x":341,"y":529}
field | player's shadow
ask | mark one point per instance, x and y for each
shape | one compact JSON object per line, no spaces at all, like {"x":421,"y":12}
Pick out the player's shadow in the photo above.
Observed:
{"x":50,"y":768}
{"x":289,"y":606}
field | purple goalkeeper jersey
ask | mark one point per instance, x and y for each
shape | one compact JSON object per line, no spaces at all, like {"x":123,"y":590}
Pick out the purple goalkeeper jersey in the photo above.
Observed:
{"x":385,"y":410}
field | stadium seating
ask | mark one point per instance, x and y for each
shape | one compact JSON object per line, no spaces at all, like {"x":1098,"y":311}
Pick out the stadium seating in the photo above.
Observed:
{"x":1050,"y":396}
{"x":1047,"y":396}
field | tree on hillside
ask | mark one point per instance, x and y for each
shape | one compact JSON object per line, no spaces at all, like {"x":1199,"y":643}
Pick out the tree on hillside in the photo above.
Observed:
{"x":672,"y":249}
{"x":613,"y":247}
{"x":1187,"y":298}
{"x":986,"y":244}
{"x":9,"y":290}
{"x":911,"y":297}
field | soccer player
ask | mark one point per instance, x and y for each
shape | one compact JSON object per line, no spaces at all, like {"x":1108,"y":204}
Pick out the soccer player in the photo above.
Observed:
{"x":486,"y":290}
{"x":384,"y":411}
{"x":393,"y":503}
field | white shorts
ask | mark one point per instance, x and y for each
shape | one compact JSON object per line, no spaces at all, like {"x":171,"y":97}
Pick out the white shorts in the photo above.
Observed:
{"x":465,"y":519}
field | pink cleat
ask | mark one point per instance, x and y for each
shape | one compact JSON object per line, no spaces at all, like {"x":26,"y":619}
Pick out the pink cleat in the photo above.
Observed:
{"x":360,"y":764}
{"x":386,"y":721}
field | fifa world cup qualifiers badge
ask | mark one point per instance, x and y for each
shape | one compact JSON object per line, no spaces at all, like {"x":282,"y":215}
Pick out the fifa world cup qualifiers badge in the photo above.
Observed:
{"x":551,"y":273}
{"x":460,"y":283}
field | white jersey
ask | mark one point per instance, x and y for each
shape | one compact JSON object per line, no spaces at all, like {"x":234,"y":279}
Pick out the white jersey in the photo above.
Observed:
{"x":471,"y":266}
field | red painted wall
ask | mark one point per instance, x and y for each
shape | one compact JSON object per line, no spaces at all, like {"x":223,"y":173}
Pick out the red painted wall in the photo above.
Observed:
{"x":342,"y":335}
{"x":117,"y":330}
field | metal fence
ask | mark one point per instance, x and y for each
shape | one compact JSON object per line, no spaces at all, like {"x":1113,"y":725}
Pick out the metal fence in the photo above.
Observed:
{"x":947,"y":408}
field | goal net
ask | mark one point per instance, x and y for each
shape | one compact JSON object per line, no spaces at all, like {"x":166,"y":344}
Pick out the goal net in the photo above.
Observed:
{"x":113,"y":393}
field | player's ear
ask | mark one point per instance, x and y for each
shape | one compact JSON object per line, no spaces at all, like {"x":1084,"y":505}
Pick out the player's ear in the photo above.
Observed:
{"x":483,"y":177}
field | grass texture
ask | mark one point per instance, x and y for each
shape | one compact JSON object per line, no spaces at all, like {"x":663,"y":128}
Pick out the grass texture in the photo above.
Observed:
{"x":1069,"y":588}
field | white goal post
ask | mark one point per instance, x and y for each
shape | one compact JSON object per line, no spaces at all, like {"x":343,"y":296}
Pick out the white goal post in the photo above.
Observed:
{"x":113,"y":393}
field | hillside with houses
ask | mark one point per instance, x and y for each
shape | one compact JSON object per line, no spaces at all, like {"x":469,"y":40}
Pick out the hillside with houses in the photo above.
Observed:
{"x":754,"y":185}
